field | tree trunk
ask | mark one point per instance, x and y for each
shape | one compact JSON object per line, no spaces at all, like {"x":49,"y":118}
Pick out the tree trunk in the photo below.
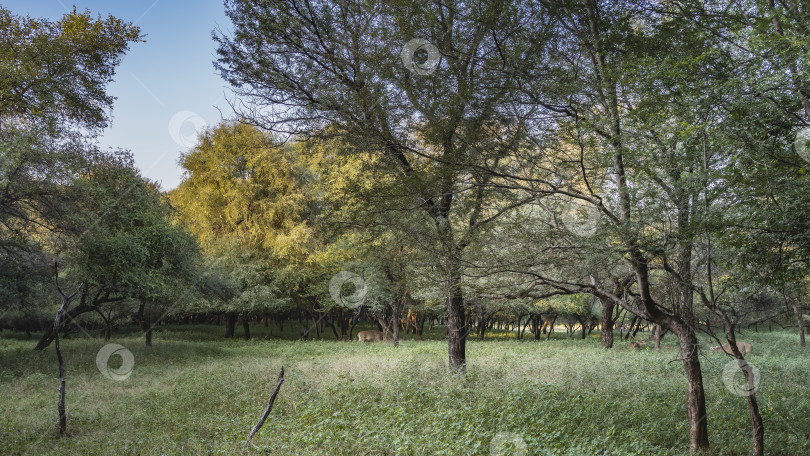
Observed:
{"x":658,"y":332}
{"x":695,"y":397}
{"x":344,"y":323}
{"x":630,"y":328}
{"x":61,"y":403}
{"x":230,"y":325}
{"x":246,"y":327}
{"x":143,"y":317}
{"x":798,"y":312}
{"x":395,"y":319}
{"x":331,"y":325}
{"x":49,"y":333}
{"x":107,"y":325}
{"x":607,"y":322}
{"x":457,"y":342}
{"x":57,"y":322}
{"x":757,"y":428}
{"x":536,"y":323}
{"x":351,"y":328}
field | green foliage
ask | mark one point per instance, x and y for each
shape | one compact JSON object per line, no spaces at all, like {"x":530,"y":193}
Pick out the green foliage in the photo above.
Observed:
{"x":123,"y":241}
{"x":53,"y":102}
{"x":252,"y":282}
{"x":57,"y":72}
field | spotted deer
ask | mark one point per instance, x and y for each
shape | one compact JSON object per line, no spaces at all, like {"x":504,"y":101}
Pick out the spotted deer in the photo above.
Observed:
{"x":371,"y":335}
{"x":744,"y":348}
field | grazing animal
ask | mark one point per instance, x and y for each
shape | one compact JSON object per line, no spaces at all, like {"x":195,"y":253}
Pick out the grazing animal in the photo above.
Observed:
{"x":744,"y":348}
{"x":304,"y":333}
{"x":446,"y":331}
{"x":369,"y":336}
{"x":637,"y":344}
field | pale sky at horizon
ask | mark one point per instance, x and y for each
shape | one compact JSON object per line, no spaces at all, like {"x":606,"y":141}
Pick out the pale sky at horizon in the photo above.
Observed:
{"x":166,"y":87}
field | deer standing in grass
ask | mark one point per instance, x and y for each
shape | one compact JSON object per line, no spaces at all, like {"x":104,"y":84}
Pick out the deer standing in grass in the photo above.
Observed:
{"x":744,"y":348}
{"x":370,"y":336}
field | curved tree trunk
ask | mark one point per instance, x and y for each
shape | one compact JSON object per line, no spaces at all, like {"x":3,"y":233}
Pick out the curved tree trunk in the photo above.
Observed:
{"x":551,"y":327}
{"x":757,"y":427}
{"x":49,"y":332}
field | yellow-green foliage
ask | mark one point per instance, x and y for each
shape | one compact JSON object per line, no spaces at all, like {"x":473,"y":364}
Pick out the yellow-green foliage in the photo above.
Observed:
{"x":240,"y":184}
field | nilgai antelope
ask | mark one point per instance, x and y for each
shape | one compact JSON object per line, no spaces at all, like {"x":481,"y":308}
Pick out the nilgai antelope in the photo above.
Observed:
{"x":369,"y":336}
{"x":744,"y":348}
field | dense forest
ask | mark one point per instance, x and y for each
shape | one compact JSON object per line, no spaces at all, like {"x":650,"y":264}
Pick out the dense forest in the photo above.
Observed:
{"x":594,"y":167}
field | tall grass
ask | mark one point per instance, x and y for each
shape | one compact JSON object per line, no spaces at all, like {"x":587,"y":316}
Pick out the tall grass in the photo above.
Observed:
{"x":193,"y":393}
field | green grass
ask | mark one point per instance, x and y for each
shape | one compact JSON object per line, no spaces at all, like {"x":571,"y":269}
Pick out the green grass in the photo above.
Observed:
{"x":194,"y":393}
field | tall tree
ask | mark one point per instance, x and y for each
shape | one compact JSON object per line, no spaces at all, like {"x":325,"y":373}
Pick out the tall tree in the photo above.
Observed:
{"x":438,"y":110}
{"x":244,"y":198}
{"x":634,"y":91}
{"x":52,"y":98}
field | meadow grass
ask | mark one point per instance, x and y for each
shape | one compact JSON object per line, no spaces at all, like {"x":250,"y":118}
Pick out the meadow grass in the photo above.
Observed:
{"x":195,"y":393}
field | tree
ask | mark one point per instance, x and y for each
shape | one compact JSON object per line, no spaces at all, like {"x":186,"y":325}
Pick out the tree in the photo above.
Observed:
{"x":53,"y":102}
{"x":767,"y":241}
{"x":52,"y":97}
{"x":331,"y":69}
{"x":244,"y":198}
{"x":121,"y":242}
{"x":634,"y":93}
{"x":57,"y":72}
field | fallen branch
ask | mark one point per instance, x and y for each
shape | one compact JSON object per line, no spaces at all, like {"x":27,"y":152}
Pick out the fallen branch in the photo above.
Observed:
{"x":269,"y":407}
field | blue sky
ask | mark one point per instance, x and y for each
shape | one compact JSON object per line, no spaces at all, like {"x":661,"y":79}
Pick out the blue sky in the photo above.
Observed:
{"x":166,"y":87}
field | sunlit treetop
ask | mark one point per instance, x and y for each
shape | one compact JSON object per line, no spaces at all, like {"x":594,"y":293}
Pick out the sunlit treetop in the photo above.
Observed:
{"x":57,"y":72}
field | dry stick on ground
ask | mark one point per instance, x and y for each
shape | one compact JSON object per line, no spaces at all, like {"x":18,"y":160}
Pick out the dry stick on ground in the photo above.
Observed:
{"x":269,"y":407}
{"x":57,"y":321}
